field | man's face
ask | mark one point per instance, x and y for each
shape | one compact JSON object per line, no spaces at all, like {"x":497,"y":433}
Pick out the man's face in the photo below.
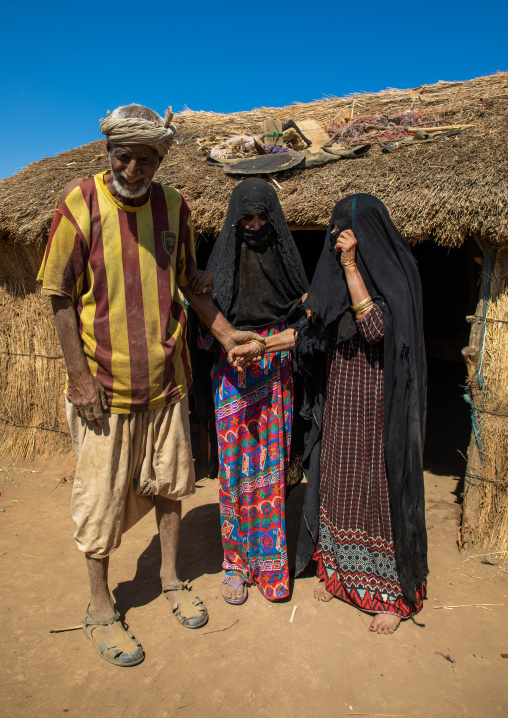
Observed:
{"x":133,"y":168}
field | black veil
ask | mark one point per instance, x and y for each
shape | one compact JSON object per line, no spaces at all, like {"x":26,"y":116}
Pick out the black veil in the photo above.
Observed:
{"x":391,"y":276}
{"x":251,"y":196}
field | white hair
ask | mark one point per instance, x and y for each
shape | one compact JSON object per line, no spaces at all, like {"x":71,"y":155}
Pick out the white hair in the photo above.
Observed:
{"x":139,"y":112}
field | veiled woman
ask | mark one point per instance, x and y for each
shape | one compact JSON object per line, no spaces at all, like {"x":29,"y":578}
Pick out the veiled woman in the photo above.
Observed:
{"x":363,"y":516}
{"x":259,"y":281}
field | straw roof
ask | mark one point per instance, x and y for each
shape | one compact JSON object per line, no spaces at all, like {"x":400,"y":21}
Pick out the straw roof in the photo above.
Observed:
{"x":447,"y":189}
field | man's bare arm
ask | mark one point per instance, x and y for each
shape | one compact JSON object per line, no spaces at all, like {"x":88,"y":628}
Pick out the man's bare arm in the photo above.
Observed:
{"x":222,"y":330}
{"x":87,"y":394}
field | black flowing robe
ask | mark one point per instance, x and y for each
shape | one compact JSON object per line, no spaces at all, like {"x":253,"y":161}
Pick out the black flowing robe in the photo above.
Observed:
{"x":391,"y":276}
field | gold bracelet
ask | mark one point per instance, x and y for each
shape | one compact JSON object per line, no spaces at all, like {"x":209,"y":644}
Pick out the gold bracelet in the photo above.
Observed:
{"x":262,"y":348}
{"x":364,"y":309}
{"x":359,"y":307}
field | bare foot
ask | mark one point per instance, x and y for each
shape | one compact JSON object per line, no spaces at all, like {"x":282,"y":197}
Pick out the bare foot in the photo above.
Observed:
{"x":233,"y":592}
{"x":384,"y":623}
{"x":321,"y":593}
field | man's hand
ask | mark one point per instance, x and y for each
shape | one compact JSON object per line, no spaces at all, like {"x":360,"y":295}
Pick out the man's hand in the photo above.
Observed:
{"x":242,"y":356}
{"x":236,"y":337}
{"x":85,"y":391}
{"x":89,"y":398}
{"x":201,"y":282}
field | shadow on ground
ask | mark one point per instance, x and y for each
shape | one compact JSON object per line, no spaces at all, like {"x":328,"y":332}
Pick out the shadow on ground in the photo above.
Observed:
{"x":200,"y":552}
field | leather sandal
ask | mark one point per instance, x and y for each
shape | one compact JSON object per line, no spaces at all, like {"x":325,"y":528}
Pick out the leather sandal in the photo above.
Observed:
{"x":188,"y":610}
{"x":123,"y":649}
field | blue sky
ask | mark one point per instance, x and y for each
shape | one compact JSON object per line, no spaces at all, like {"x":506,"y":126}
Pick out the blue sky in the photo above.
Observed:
{"x":63,"y":65}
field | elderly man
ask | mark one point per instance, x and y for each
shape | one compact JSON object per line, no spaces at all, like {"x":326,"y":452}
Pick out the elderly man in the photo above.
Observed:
{"x":120,"y":248}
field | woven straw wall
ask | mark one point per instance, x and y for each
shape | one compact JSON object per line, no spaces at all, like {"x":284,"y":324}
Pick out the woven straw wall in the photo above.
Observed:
{"x":32,"y":373}
{"x":486,"y":501}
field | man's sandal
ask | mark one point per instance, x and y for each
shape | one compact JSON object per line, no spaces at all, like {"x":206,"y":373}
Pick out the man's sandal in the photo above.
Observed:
{"x":122,"y":650}
{"x":188,"y":610}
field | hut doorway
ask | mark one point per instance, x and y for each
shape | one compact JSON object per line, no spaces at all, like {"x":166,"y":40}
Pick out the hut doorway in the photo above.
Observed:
{"x":450,"y":280}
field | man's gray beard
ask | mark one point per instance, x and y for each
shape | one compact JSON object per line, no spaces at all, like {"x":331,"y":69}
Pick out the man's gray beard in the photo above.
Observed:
{"x":129,"y":192}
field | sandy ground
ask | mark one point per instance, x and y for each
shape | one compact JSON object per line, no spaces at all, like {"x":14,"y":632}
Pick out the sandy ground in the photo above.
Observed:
{"x":249,"y":660}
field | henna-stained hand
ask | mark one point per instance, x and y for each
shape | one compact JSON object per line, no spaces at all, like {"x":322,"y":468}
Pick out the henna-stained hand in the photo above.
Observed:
{"x":346,"y":245}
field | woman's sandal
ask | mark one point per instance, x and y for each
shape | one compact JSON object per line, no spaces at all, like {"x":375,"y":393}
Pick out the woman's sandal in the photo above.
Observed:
{"x":228,"y":580}
{"x":122,"y":650}
{"x":189,"y":611}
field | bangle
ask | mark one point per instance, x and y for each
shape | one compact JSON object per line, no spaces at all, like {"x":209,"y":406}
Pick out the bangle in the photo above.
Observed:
{"x":358,"y":308}
{"x":364,"y":309}
{"x":262,"y":348}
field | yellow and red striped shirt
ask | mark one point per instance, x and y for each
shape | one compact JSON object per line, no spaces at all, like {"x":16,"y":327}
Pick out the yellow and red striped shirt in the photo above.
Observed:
{"x":122,"y":267}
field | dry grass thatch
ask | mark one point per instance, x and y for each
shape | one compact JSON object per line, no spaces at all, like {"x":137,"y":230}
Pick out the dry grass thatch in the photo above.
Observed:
{"x":32,"y":372}
{"x":492,"y":530}
{"x":449,"y":188}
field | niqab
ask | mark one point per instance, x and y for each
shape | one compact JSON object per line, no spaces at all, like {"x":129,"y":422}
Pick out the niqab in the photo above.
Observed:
{"x":258,"y":280}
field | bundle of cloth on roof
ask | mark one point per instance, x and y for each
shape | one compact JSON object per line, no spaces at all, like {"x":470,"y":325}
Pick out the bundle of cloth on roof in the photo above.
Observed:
{"x":390,"y":133}
{"x":383,"y":128}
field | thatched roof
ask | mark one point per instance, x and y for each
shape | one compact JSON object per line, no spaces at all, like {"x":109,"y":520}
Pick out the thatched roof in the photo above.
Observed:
{"x":448,"y":188}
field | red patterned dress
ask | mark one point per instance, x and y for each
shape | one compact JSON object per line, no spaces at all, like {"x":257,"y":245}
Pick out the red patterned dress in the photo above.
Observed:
{"x":355,"y":550}
{"x":254,"y":416}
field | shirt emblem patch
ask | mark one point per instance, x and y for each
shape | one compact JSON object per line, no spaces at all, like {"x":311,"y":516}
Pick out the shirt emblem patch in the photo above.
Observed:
{"x":168,"y":241}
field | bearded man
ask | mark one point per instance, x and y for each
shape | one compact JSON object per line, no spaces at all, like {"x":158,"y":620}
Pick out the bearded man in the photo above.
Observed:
{"x":119,"y":249}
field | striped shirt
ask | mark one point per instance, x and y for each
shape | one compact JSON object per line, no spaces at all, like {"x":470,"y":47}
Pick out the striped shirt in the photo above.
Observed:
{"x":122,"y":267}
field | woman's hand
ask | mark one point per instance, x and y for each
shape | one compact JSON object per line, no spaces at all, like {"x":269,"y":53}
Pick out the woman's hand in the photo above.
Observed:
{"x":346,"y":245}
{"x":308,"y":312}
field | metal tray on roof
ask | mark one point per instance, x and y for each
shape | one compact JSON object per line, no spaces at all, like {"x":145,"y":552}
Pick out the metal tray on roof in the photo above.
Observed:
{"x":266,"y":164}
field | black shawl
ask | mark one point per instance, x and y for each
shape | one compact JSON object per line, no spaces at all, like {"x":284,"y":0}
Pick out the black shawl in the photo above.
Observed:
{"x":391,"y":276}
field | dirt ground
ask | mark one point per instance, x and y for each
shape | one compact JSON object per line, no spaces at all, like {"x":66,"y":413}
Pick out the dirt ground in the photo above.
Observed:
{"x":249,"y":660}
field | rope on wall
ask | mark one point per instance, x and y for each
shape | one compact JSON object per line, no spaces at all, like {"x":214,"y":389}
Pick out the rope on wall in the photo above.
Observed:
{"x":488,"y":268}
{"x":479,"y":477}
{"x":42,"y":428}
{"x":43,"y":356}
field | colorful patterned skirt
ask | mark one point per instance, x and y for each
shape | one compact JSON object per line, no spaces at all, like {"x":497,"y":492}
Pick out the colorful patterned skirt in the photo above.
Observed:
{"x":254,"y":414}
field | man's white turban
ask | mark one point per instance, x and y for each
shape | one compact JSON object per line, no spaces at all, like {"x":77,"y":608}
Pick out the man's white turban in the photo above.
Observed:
{"x":134,"y":131}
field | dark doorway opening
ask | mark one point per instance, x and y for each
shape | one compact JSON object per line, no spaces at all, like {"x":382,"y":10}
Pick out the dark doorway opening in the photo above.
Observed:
{"x":450,"y":288}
